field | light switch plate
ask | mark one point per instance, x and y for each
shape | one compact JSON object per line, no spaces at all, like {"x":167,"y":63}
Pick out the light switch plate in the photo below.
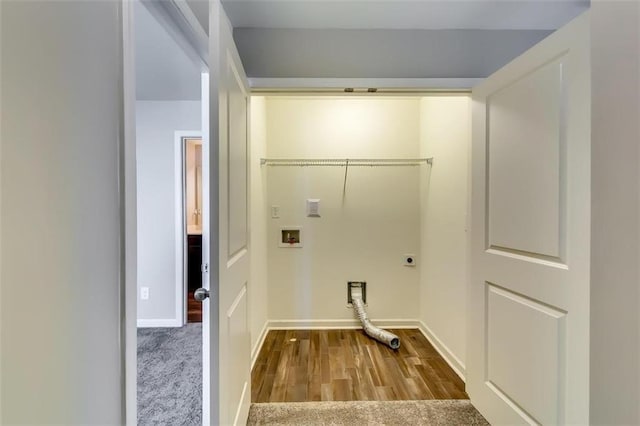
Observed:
{"x":144,"y":293}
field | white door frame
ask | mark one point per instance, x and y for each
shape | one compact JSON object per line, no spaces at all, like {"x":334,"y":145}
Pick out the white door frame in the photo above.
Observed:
{"x":129,"y":298}
{"x":129,"y":212}
{"x":181,"y":221}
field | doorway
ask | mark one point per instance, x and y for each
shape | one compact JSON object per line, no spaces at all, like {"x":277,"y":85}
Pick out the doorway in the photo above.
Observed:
{"x":191,"y":228}
{"x":169,"y":123}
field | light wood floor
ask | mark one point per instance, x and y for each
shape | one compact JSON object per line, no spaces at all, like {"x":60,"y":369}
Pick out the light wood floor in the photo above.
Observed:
{"x":346,"y":365}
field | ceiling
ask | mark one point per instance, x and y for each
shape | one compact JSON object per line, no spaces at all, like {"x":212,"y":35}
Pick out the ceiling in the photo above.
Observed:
{"x":390,"y":39}
{"x":291,"y":53}
{"x":403,"y":15}
{"x":355,"y":39}
{"x":163,"y":70}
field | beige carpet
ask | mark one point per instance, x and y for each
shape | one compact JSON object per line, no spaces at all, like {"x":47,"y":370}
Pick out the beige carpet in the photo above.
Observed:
{"x":354,"y":413}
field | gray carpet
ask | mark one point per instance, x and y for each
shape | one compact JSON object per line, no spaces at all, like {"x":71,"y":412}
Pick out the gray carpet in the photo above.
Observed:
{"x":170,"y":375}
{"x":355,"y":413}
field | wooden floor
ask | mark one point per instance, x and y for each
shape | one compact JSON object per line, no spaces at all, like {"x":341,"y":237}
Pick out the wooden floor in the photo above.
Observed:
{"x":346,"y":365}
{"x":194,"y":309}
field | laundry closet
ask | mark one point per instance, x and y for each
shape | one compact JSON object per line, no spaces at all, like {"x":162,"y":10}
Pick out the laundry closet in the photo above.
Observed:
{"x":361,"y":187}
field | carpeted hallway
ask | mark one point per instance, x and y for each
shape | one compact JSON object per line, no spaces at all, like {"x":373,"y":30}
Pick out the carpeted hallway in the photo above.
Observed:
{"x":170,"y":375}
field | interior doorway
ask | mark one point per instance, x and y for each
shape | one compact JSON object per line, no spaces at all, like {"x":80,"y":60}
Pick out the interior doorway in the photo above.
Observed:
{"x":191,"y":228}
{"x":169,"y":125}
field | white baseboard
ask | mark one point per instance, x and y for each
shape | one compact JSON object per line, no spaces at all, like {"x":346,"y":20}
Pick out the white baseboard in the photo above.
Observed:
{"x":149,"y":323}
{"x":310,"y":324}
{"x":242,"y":412}
{"x":255,"y":351}
{"x":454,"y":362}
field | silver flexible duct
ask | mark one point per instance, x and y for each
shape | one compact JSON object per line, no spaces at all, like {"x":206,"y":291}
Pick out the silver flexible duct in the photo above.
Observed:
{"x":377,"y":333}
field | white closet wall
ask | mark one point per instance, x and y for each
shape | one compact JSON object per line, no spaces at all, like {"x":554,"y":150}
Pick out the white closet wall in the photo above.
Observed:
{"x":446,"y":136}
{"x":360,"y":236}
{"x":385,"y":212}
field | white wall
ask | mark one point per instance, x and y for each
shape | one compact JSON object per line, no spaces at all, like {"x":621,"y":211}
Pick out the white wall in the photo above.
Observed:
{"x":446,"y":136}
{"x":615,"y":213}
{"x":257,"y":221}
{"x":62,"y":347}
{"x":361,"y":237}
{"x":156,"y":124}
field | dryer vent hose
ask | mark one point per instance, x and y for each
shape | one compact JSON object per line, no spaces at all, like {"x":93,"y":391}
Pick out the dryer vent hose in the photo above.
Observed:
{"x":377,"y":333}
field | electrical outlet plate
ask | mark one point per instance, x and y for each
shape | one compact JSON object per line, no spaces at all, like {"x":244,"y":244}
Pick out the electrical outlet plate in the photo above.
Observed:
{"x":144,"y":293}
{"x":409,"y":259}
{"x":275,"y":212}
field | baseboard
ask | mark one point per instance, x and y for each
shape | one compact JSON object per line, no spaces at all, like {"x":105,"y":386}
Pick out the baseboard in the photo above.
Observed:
{"x":255,"y":351}
{"x":310,"y":324}
{"x":453,"y":361}
{"x":149,"y":323}
{"x":242,"y":412}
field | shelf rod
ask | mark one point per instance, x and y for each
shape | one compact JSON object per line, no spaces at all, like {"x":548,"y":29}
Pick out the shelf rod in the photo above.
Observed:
{"x":340,"y":162}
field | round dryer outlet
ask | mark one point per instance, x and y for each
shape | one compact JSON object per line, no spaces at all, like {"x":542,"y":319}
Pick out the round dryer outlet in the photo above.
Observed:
{"x":409,"y":259}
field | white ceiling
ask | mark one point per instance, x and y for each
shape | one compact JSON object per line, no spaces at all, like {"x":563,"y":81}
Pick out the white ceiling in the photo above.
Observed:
{"x":387,"y":38}
{"x":163,"y":70}
{"x":402,"y":14}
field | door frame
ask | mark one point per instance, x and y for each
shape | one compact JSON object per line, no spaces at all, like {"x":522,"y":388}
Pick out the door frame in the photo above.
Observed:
{"x":193,"y":36}
{"x":129,"y":217}
{"x":180,"y":185}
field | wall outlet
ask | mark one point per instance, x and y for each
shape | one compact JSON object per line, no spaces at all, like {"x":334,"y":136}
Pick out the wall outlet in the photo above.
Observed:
{"x":409,"y":259}
{"x":144,"y":293}
{"x":275,"y":212}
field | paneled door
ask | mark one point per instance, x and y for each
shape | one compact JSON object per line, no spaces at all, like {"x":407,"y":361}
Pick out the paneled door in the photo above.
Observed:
{"x":229,"y":349}
{"x":528,"y":341}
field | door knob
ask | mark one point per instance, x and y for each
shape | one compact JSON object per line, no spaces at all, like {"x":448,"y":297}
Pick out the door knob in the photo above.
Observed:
{"x":201,"y":294}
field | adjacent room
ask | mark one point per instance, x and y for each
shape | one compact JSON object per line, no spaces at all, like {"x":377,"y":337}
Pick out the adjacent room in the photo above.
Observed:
{"x":375,"y":188}
{"x":169,"y":165}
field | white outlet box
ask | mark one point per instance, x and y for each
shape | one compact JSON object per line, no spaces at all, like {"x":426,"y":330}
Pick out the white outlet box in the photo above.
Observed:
{"x":313,"y":207}
{"x":144,"y":293}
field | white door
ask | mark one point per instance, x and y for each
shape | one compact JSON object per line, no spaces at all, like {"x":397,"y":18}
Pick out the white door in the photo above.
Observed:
{"x":528,"y":342}
{"x":226,"y":313}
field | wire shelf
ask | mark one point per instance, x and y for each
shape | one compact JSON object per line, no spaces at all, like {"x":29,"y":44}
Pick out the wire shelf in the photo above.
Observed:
{"x":345,"y":162}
